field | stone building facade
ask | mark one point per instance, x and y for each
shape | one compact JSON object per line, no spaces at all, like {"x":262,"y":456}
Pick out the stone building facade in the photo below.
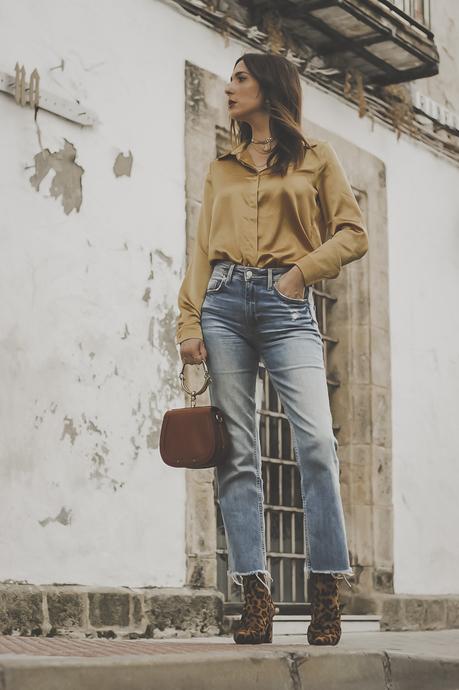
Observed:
{"x":102,"y":185}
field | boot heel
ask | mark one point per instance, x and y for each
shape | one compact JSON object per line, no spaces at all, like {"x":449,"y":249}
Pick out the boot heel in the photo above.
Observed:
{"x":268,"y":633}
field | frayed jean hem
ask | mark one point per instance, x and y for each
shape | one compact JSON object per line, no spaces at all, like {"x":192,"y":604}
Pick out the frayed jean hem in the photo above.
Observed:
{"x":338,"y":574}
{"x":236,"y":575}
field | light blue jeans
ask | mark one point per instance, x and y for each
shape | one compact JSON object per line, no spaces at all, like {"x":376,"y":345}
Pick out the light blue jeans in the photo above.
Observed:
{"x":246,"y":319}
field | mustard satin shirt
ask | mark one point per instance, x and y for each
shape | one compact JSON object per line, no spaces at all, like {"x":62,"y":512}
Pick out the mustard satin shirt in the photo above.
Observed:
{"x":310,"y":218}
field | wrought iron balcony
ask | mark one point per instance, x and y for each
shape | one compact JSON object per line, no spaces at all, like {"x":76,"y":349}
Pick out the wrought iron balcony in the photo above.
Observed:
{"x":389,"y":42}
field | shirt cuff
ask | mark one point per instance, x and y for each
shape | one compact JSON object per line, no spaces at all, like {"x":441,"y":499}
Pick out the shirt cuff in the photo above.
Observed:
{"x":315,"y":268}
{"x":191,"y":331}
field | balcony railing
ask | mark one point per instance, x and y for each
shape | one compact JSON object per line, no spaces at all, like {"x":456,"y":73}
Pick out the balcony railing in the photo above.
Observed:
{"x":419,"y":10}
{"x":388,"y":42}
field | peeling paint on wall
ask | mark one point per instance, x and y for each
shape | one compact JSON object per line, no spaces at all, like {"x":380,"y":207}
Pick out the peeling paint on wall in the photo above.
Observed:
{"x":147,"y":295}
{"x":69,"y":430}
{"x":161,"y":327}
{"x":123,"y":165}
{"x":100,"y":472}
{"x":161,"y":255}
{"x":138,"y":412}
{"x":39,"y":418}
{"x":67,"y":179}
{"x":159,"y":336}
{"x":136,"y":448}
{"x":166,"y":341}
{"x":151,"y":332}
{"x":155,"y":419}
{"x":93,"y":427}
{"x":64,"y":517}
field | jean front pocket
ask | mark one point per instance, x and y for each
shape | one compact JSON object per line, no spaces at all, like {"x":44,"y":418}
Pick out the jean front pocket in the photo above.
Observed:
{"x":215,"y":283}
{"x":297,"y":300}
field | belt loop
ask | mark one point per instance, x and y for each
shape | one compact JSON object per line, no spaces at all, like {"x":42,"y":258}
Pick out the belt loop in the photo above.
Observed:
{"x":312,"y":304}
{"x":270,"y":277}
{"x":229,"y":274}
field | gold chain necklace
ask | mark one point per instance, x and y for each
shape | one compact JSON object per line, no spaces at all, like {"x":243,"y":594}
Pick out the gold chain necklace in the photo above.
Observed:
{"x":266,"y":143}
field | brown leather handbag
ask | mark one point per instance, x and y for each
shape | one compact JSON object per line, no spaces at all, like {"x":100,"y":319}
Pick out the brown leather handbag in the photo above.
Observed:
{"x":194,"y":437}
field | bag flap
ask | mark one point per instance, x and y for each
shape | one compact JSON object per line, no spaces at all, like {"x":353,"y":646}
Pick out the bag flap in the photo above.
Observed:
{"x":188,"y":433}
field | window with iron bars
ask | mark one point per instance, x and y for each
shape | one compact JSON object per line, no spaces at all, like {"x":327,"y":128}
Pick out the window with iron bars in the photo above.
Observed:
{"x":283,"y":507}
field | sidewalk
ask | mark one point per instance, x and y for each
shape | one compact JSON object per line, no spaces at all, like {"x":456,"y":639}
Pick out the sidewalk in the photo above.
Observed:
{"x":361,"y":661}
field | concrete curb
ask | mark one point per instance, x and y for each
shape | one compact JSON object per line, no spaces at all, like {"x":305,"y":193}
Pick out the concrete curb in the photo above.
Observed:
{"x":250,"y":669}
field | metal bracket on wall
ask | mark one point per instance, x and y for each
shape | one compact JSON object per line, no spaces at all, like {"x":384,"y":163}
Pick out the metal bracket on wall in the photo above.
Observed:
{"x":32,"y":95}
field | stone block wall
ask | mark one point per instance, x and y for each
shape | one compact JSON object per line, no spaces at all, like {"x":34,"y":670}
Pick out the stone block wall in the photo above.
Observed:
{"x":123,"y":612}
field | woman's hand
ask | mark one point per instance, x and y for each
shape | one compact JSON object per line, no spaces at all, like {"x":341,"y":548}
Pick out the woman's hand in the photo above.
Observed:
{"x":193,"y":351}
{"x":291,"y":283}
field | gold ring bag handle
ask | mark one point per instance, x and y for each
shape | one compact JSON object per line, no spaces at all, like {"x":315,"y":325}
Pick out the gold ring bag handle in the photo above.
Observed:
{"x":207,"y":380}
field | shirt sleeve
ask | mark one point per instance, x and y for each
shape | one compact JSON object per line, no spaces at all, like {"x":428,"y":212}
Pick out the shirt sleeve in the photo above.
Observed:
{"x":193,"y":289}
{"x":346,"y":235}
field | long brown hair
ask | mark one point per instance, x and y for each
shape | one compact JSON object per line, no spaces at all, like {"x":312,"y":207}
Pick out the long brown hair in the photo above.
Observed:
{"x":279,"y":82}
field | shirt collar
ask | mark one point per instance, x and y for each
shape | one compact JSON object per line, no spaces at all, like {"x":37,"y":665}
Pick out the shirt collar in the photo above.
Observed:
{"x":236,"y":151}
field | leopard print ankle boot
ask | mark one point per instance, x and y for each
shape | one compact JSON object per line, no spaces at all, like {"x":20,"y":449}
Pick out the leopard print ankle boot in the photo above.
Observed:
{"x":255,"y":625}
{"x":325,"y":625}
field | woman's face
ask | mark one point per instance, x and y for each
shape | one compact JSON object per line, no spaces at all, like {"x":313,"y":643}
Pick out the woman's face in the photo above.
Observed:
{"x":244,"y":96}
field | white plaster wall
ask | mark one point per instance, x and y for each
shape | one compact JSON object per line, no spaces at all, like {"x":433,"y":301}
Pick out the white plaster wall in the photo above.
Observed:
{"x":69,"y":285}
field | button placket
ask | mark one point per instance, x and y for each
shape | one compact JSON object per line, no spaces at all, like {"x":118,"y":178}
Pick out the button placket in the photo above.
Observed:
{"x":251,"y":240}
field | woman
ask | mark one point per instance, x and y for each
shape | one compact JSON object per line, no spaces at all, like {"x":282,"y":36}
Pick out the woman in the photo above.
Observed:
{"x":277,"y":215}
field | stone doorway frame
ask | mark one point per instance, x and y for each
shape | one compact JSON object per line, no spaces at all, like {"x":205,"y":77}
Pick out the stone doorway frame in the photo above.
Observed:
{"x":359,"y":319}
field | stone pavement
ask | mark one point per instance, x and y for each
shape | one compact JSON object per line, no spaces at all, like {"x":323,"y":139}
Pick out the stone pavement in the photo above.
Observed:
{"x":361,"y":661}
